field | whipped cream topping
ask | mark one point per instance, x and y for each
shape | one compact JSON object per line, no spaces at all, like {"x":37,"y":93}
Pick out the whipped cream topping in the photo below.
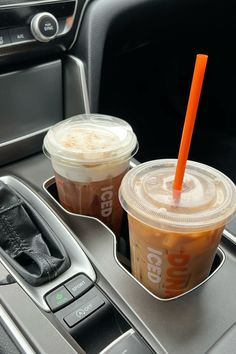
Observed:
{"x":90,"y":139}
{"x":90,"y":147}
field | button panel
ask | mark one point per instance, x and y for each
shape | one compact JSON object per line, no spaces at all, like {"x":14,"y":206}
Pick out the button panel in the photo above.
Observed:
{"x":59,"y":298}
{"x":68,"y":292}
{"x":79,"y":285}
{"x":15,"y":22}
{"x":20,"y":34}
{"x":48,"y":26}
{"x":83,"y":311}
{"x":4,"y":37}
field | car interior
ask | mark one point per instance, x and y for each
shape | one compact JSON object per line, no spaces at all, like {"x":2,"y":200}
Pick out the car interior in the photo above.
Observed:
{"x":65,"y":281}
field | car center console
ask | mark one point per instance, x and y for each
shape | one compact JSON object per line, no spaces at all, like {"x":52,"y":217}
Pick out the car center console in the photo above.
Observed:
{"x":96,"y":302}
{"x":71,"y":311}
{"x":95,"y":305}
{"x":74,"y":296}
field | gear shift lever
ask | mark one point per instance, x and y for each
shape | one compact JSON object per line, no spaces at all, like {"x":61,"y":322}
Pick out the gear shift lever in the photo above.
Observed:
{"x":27,"y":242}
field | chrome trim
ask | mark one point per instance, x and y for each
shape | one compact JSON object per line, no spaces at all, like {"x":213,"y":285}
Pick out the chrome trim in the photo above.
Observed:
{"x":106,"y":350}
{"x":17,"y":43}
{"x":79,"y":22}
{"x":15,"y":332}
{"x":132,"y":164}
{"x":79,"y":261}
{"x":50,"y":181}
{"x":30,"y":3}
{"x":35,"y":30}
{"x":81,"y":72}
{"x":24,"y":137}
{"x":229,"y":236}
{"x":75,"y":80}
{"x":220,"y":252}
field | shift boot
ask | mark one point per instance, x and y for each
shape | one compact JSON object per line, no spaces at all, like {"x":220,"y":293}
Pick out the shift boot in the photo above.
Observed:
{"x":24,"y":245}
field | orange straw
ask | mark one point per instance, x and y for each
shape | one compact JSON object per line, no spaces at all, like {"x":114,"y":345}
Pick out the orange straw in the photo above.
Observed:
{"x":194,"y":96}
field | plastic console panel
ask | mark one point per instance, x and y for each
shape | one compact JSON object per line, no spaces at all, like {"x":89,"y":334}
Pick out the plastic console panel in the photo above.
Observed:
{"x":74,"y":297}
{"x":197,"y":322}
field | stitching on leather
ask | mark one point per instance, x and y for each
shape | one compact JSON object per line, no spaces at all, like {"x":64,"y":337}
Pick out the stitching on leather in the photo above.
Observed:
{"x":5,"y":230}
{"x":13,"y":237}
{"x":43,"y":258}
{"x":52,"y":264}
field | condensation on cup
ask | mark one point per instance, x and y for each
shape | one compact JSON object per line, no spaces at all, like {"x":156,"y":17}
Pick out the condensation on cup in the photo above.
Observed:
{"x":173,"y":242}
{"x":90,"y":154}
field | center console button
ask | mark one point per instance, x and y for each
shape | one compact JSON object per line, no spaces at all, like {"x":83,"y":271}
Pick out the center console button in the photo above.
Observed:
{"x":4,"y":37}
{"x":79,"y":285}
{"x":83,"y":311}
{"x":20,"y":34}
{"x":44,"y":27}
{"x":58,"y":298}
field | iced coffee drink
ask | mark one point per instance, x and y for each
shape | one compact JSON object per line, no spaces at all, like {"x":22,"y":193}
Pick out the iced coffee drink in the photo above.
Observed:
{"x":173,"y":241}
{"x":90,"y":155}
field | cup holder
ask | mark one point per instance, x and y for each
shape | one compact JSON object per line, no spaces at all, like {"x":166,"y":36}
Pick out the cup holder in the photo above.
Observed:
{"x":123,"y":257}
{"x":122,"y":253}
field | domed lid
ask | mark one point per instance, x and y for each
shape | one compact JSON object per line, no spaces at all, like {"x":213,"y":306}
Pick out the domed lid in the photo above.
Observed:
{"x":208,"y":196}
{"x":90,"y":138}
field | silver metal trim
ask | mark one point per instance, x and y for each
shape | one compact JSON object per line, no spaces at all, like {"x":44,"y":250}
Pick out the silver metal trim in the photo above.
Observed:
{"x":79,"y":22}
{"x":17,"y":43}
{"x":79,"y":260}
{"x":229,"y":236}
{"x":75,"y":87}
{"x":132,"y":164}
{"x":35,"y":30}
{"x":81,"y":73}
{"x":24,"y":137}
{"x":220,"y":253}
{"x":32,"y":3}
{"x":50,"y":181}
{"x":15,"y":332}
{"x":106,"y":350}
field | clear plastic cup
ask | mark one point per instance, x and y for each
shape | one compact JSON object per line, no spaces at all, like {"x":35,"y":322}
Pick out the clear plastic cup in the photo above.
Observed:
{"x":173,"y":242}
{"x":90,"y":154}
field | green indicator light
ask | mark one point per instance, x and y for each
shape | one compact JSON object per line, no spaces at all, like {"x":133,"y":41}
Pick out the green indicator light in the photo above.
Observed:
{"x":59,"y":296}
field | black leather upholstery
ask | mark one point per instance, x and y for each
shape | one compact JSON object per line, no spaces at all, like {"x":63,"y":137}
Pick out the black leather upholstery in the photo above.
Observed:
{"x":27,"y":242}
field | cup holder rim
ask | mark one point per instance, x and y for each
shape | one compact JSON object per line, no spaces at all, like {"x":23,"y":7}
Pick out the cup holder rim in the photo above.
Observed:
{"x":50,"y":181}
{"x":47,"y":184}
{"x":219,"y":252}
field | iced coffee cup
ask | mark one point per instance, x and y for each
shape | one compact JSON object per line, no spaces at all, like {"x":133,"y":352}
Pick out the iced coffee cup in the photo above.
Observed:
{"x":173,"y":241}
{"x":90,"y":154}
